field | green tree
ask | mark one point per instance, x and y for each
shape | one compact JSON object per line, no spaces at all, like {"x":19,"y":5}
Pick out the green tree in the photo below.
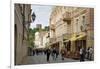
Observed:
{"x":32,"y":36}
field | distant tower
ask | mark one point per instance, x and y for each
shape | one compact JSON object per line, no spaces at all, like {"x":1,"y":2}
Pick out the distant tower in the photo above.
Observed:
{"x":39,"y":26}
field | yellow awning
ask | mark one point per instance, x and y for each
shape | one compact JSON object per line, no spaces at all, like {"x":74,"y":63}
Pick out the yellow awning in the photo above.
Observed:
{"x":66,"y":40}
{"x":73,"y":39}
{"x":79,"y":37}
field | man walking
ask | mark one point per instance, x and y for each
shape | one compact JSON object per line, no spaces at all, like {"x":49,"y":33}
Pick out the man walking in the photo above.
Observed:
{"x":57,"y":53}
{"x":48,"y":54}
{"x":82,"y":54}
{"x":54,"y":54}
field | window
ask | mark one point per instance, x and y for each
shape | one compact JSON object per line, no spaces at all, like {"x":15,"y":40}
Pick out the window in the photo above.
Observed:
{"x":77,"y":25}
{"x":83,"y":20}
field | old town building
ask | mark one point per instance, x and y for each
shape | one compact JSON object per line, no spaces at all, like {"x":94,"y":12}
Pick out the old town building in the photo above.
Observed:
{"x":22,"y":17}
{"x":72,"y":28}
{"x":46,"y":39}
{"x":41,"y":39}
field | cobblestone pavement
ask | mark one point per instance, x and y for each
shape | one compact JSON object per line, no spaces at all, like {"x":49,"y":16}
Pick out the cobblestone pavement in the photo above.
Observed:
{"x":41,"y":59}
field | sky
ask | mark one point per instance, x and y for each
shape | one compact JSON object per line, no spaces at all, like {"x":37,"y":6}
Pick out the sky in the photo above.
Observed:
{"x":42,"y":13}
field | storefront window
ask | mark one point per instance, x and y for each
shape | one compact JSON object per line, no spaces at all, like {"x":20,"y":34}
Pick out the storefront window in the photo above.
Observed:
{"x":83,"y":20}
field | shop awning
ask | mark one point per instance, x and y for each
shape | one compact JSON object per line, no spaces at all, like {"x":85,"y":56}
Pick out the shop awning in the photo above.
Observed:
{"x":73,"y":38}
{"x":81,"y":36}
{"x":66,"y":41}
{"x":54,"y":43}
{"x":78,"y":38}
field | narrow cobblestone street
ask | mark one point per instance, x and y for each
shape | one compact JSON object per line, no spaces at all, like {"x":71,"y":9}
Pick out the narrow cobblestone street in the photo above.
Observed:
{"x":51,"y":31}
{"x":41,"y":59}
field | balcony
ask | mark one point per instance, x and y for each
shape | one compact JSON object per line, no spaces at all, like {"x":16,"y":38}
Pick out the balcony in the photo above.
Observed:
{"x":66,"y":16}
{"x":52,"y":27}
{"x":52,"y":40}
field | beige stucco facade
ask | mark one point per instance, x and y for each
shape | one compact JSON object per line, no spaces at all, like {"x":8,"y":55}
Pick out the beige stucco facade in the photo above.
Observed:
{"x":46,"y":39}
{"x":72,"y":23}
{"x":22,"y":17}
{"x":41,"y":39}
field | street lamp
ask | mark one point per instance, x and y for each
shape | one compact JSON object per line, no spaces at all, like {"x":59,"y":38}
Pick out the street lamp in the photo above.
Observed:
{"x":33,"y":16}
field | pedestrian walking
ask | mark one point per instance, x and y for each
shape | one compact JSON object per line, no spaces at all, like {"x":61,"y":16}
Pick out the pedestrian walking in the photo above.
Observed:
{"x":36,"y":51}
{"x":54,"y":54}
{"x":57,"y":53}
{"x":62,"y":54}
{"x":87,"y":53}
{"x":48,"y":54}
{"x":82,"y":54}
{"x":45,"y":51}
{"x":33,"y":52}
{"x":90,"y":53}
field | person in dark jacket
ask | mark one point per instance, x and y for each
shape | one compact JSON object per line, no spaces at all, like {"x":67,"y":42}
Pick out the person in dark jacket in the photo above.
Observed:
{"x":57,"y":53}
{"x":48,"y":54}
{"x":54,"y":54}
{"x":82,"y":54}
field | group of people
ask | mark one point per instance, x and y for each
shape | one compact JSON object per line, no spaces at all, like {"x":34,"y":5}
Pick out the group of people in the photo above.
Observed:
{"x":37,"y":52}
{"x":54,"y":53}
{"x":48,"y":52}
{"x":86,"y":54}
{"x":90,"y":53}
